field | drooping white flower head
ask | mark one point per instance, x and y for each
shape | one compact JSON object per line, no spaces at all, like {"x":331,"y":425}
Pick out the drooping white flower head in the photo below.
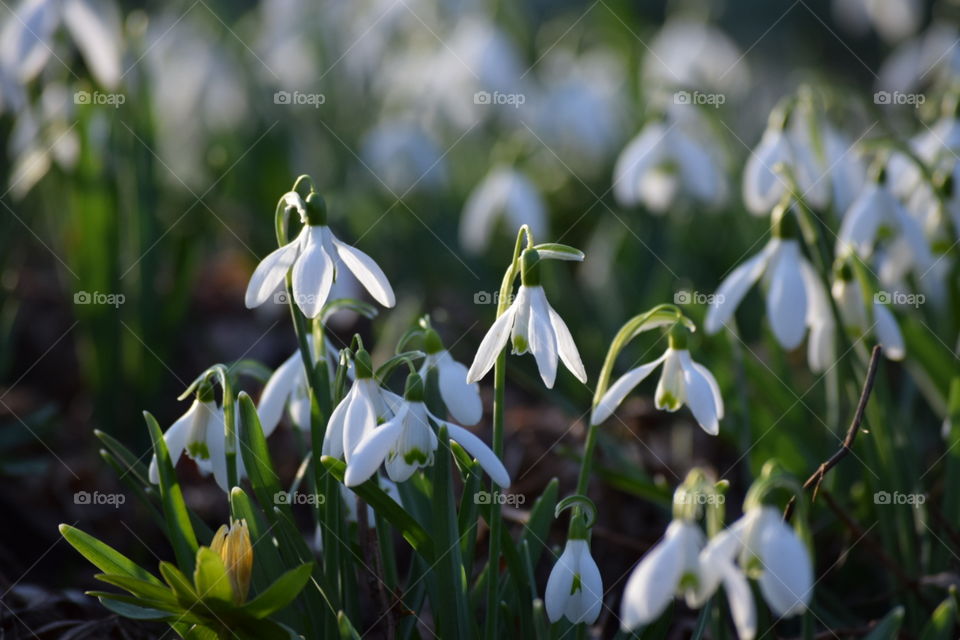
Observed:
{"x":683,"y":381}
{"x":669,"y":569}
{"x":358,"y":413}
{"x":503,"y":193}
{"x":853,"y":309}
{"x":201,"y":434}
{"x":574,"y":589}
{"x":796,"y":299}
{"x":461,"y":398}
{"x":314,"y":255}
{"x":876,"y":209}
{"x":769,"y":550}
{"x":287,"y":387}
{"x":532,"y":325}
{"x":665,"y":161}
{"x":407,"y":442}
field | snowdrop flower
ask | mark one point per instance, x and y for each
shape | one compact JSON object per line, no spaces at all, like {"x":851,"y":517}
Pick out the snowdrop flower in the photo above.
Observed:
{"x":532,"y":325}
{"x":763,"y":187}
{"x":931,"y":58}
{"x":770,"y":551}
{"x":503,"y":193}
{"x":691,"y":53}
{"x":876,"y":209}
{"x":407,"y":442}
{"x":315,"y":255}
{"x":461,"y":398}
{"x":796,"y":298}
{"x":357,"y":414}
{"x":670,"y":568}
{"x":664,"y":161}
{"x":683,"y":381}
{"x":201,"y":434}
{"x":849,"y":297}
{"x":574,"y":589}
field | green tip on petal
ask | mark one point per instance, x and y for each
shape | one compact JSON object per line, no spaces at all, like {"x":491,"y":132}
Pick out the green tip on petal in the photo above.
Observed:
{"x":415,"y":456}
{"x":198,"y":450}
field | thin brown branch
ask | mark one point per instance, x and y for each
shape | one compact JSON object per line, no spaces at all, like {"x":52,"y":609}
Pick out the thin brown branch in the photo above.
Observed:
{"x":816,"y":479}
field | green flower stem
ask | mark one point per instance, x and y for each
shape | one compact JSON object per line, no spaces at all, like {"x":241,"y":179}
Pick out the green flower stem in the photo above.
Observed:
{"x":499,"y":384}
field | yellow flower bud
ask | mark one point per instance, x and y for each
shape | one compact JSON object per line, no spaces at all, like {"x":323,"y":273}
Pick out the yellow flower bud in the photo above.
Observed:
{"x":234,"y":548}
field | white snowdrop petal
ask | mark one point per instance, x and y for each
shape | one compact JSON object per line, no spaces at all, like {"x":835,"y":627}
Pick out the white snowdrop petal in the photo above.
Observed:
{"x":619,"y":390}
{"x":787,"y":579}
{"x":787,"y":298}
{"x":861,"y":221}
{"x":762,"y":187}
{"x":559,"y":584}
{"x":888,"y":332}
{"x":671,"y":390}
{"x":368,"y":272}
{"x":492,"y":344}
{"x":700,"y":396}
{"x":372,"y":450}
{"x":277,"y":391}
{"x":473,"y":445}
{"x":733,"y":289}
{"x":176,"y":440}
{"x":740,"y":598}
{"x":313,"y":274}
{"x":653,"y":583}
{"x":714,"y":387}
{"x":566,"y":347}
{"x":333,"y":437}
{"x":96,"y":31}
{"x":637,"y":158}
{"x":270,"y":273}
{"x":461,"y":397}
{"x":359,"y":420}
{"x":591,"y":591}
{"x":543,"y":341}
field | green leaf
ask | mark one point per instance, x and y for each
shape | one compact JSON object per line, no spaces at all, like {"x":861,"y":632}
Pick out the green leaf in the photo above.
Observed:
{"x":130,"y":463}
{"x":364,"y":309}
{"x":179,"y":529}
{"x":347,"y":632}
{"x":138,"y":587}
{"x":267,"y":565}
{"x":941,"y":623}
{"x":256,"y":458}
{"x":383,"y":504}
{"x":210,"y":576}
{"x":537,"y":527}
{"x":103,"y":556}
{"x":177,"y":581}
{"x":279,"y":594}
{"x":133,"y":611}
{"x":889,"y":627}
{"x":556,"y":251}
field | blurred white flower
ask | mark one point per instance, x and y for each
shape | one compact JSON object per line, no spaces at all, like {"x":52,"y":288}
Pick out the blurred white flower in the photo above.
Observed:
{"x":687,"y":53}
{"x":314,"y":257}
{"x":796,"y":299}
{"x":407,"y":442}
{"x":201,"y":434}
{"x":574,"y":588}
{"x":403,"y":157}
{"x":930,"y":58}
{"x":42,"y":136}
{"x":669,"y":569}
{"x":853,"y":309}
{"x":666,"y":161}
{"x":27,"y":37}
{"x":531,"y":324}
{"x":877,"y":213}
{"x":894,"y":20}
{"x":506,"y":193}
{"x":683,"y":381}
